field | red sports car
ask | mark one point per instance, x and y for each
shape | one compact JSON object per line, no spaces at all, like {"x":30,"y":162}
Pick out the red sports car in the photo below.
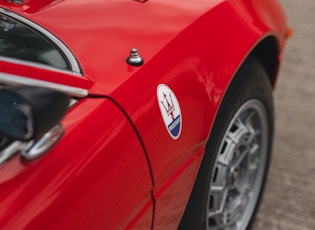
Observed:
{"x":136,"y":114}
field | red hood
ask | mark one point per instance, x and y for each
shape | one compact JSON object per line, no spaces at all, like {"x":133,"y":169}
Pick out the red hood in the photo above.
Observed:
{"x":101,"y":33}
{"x":32,"y":6}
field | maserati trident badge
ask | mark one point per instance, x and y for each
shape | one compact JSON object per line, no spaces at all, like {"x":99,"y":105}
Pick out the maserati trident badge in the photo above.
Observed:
{"x":170,"y":110}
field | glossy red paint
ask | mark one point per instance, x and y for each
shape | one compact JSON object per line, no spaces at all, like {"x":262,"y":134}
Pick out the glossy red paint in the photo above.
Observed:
{"x":89,"y":175}
{"x":194,"y":47}
{"x":33,"y":6}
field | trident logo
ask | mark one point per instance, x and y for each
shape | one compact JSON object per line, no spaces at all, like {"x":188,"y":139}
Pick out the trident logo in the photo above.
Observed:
{"x":169,"y":108}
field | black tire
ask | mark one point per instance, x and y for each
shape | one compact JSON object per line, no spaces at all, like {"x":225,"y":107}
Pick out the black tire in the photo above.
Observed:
{"x":250,"y":90}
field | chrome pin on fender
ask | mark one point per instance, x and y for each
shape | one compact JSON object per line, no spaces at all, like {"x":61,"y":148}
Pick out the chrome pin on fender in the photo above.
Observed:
{"x":134,"y":58}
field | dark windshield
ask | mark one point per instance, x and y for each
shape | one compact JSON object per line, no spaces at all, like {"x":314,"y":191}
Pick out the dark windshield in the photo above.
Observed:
{"x":19,"y":41}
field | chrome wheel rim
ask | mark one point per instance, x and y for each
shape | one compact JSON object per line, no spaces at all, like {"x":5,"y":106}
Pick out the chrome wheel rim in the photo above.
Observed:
{"x":239,"y":169}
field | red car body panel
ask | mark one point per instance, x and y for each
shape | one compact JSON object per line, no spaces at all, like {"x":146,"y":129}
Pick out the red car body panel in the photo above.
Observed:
{"x":116,"y":165}
{"x":80,"y":181}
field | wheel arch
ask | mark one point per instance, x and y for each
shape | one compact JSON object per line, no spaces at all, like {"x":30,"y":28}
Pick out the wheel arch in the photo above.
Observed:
{"x":267,"y":51}
{"x":214,"y":143}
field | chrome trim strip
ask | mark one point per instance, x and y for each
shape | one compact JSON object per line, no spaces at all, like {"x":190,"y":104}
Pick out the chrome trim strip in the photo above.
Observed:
{"x":75,"y":67}
{"x":38,"y":65}
{"x":13,"y":80}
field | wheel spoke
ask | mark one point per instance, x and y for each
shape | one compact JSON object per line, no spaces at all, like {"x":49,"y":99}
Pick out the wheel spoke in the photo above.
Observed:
{"x":241,"y":202}
{"x":218,"y":198}
{"x":254,"y":149}
{"x":213,"y":214}
{"x":238,"y":131}
{"x":239,"y":160}
{"x":223,"y":162}
{"x":218,"y":189}
{"x":226,"y":152}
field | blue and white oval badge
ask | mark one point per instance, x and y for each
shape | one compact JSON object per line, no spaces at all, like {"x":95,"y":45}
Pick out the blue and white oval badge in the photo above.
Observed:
{"x":170,"y":110}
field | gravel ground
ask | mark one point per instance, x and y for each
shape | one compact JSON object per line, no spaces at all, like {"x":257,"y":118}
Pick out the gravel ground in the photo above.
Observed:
{"x":289,"y":198}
